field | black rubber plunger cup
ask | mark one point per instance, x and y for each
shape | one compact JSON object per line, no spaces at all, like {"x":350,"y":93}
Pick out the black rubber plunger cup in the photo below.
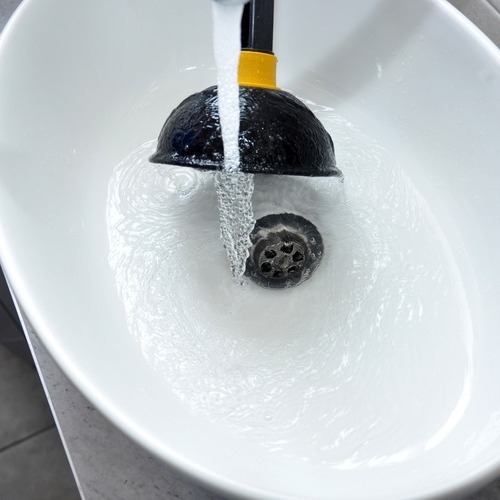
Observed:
{"x":278,"y":133}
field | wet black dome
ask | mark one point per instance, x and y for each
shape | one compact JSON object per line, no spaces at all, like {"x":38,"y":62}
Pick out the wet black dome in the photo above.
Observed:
{"x":278,"y":135}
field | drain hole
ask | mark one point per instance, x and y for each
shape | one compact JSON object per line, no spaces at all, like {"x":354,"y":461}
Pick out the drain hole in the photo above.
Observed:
{"x":283,"y":246}
{"x":266,"y":267}
{"x":297,"y":257}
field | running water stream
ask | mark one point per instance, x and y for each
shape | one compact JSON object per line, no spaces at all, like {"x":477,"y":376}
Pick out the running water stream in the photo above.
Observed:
{"x":234,"y":188}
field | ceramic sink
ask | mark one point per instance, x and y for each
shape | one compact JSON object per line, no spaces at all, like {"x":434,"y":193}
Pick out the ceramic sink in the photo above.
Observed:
{"x":378,"y":377}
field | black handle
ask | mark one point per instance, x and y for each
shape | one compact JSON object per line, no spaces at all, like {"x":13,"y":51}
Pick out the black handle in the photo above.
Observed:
{"x":257,"y":26}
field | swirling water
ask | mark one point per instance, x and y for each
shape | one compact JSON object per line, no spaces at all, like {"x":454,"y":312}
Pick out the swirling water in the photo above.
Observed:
{"x":320,"y":372}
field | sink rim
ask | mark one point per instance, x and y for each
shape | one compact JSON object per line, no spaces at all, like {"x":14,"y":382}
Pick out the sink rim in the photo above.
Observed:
{"x":184,"y":465}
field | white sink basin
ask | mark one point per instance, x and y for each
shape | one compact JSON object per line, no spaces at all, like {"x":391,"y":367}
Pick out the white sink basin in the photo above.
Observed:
{"x":378,"y":378}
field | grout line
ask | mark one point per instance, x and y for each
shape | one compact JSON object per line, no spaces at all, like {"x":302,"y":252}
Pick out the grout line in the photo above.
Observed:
{"x":29,"y":436}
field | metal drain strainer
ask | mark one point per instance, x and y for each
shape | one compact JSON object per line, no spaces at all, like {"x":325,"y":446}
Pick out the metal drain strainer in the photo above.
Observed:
{"x":286,"y":250}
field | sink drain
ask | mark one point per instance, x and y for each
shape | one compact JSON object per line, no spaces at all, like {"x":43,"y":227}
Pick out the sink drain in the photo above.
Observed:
{"x":286,"y":250}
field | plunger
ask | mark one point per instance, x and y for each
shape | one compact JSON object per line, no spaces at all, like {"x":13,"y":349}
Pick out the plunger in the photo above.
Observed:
{"x":278,"y":133}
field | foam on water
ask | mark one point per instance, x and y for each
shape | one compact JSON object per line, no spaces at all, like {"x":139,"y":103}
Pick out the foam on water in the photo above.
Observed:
{"x":234,"y":188}
{"x":320,"y":372}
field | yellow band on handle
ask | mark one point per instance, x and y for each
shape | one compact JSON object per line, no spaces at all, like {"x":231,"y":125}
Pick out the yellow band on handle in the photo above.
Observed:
{"x":257,"y":69}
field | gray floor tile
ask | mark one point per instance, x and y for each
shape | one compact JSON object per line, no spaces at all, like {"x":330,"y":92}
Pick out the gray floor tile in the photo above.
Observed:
{"x":37,"y":469}
{"x":5,"y":297}
{"x":8,"y":329}
{"x":491,"y":492}
{"x":11,"y":335}
{"x":483,"y":14}
{"x":23,"y":407}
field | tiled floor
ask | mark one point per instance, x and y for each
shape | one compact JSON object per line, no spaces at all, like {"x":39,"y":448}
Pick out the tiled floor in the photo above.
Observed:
{"x":33,"y":465}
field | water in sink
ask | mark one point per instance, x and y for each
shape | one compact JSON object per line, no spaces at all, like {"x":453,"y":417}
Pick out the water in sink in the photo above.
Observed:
{"x":320,"y":372}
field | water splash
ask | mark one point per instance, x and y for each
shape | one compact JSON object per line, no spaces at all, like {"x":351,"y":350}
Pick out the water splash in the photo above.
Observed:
{"x":234,"y":188}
